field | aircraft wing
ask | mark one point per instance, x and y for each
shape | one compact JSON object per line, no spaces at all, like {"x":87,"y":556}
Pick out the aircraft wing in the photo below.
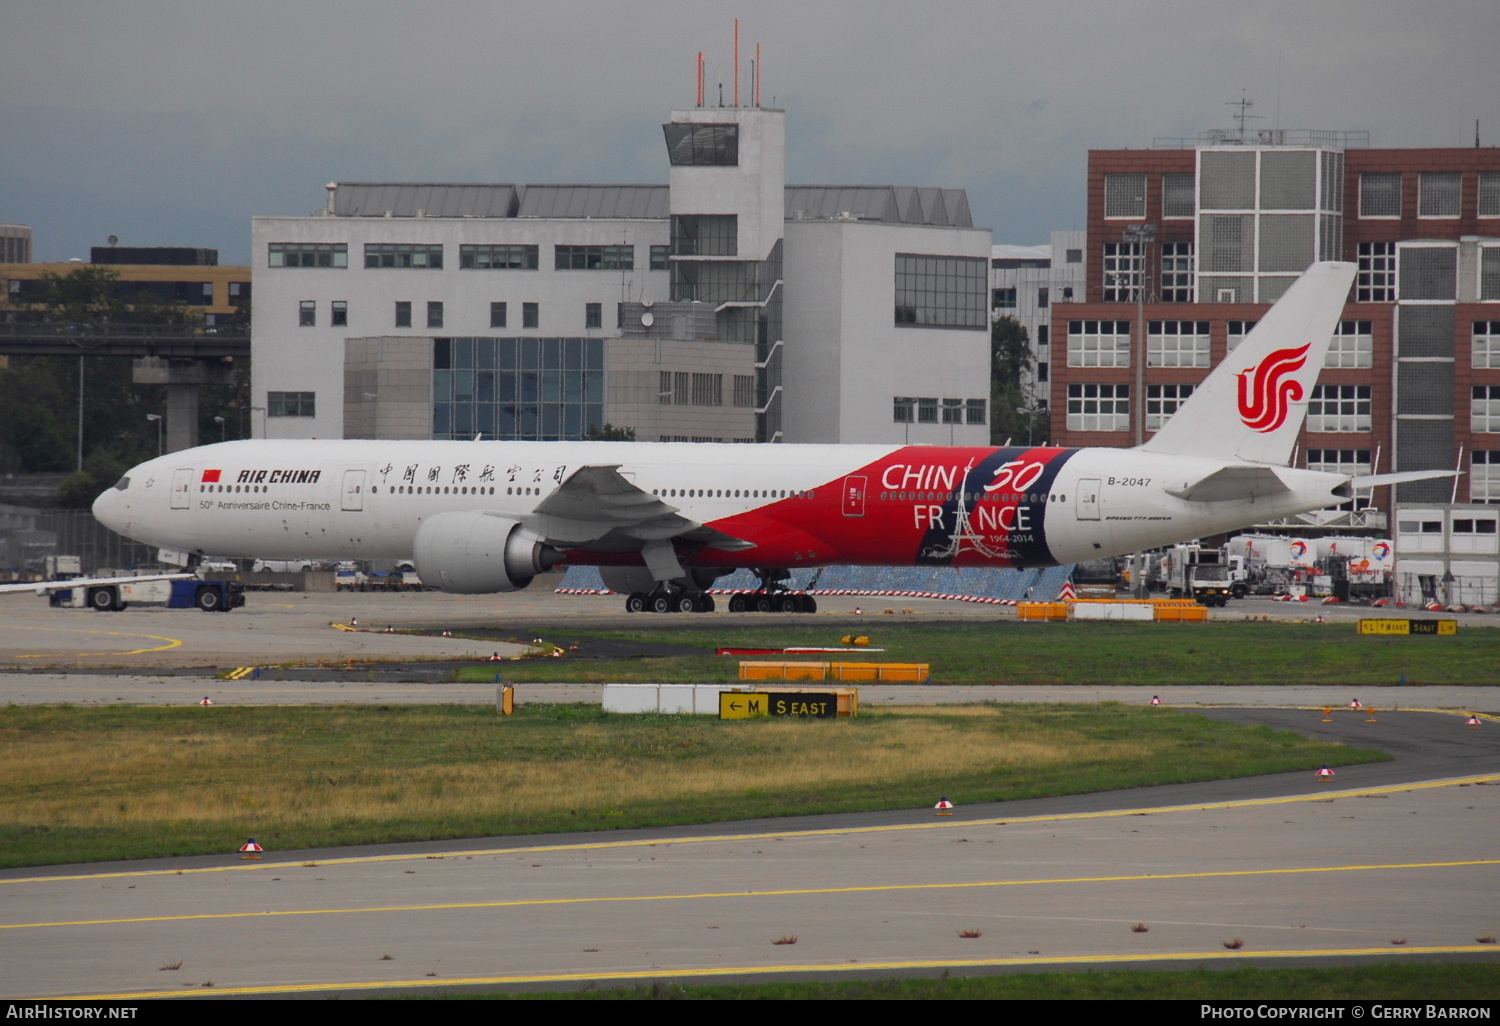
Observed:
{"x":42,"y":587}
{"x":1234,"y":482}
{"x":596,"y":502}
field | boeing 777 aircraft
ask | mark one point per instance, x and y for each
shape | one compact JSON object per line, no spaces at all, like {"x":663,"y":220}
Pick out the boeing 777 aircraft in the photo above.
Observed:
{"x":663,"y":521}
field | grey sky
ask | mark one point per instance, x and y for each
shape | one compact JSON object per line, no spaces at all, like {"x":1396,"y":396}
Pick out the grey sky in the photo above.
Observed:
{"x":171,"y":122}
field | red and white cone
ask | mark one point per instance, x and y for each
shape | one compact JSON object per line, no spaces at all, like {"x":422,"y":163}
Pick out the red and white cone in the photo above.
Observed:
{"x":250,"y":849}
{"x":1473,"y":722}
{"x":1356,"y":704}
{"x":944,"y":807}
{"x":1325,"y":773}
{"x":206,"y":701}
{"x":1155,"y":700}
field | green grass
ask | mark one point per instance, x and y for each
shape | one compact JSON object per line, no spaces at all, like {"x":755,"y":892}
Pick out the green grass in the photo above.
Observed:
{"x":1088,"y":653}
{"x":1410,"y":982}
{"x":81,"y":784}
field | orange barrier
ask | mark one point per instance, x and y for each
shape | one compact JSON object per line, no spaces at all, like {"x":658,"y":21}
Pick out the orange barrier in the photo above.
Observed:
{"x":889,"y":673}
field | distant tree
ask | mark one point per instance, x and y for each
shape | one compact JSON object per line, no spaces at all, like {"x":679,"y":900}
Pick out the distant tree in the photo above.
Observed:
{"x":100,"y":471}
{"x":609,"y":433}
{"x":1011,"y":416}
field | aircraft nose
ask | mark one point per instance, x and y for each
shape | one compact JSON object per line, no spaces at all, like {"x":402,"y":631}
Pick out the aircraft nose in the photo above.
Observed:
{"x":110,"y":506}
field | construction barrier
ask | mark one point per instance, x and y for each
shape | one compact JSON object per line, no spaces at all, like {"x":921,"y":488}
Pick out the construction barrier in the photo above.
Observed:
{"x":886,"y":673}
{"x":1160,"y":610}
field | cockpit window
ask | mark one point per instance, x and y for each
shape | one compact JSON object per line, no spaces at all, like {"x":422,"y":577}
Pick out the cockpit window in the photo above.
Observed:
{"x":122,"y":484}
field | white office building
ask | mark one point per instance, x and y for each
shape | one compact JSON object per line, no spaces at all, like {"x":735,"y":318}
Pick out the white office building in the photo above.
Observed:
{"x":1024,"y":283}
{"x":722,"y":306}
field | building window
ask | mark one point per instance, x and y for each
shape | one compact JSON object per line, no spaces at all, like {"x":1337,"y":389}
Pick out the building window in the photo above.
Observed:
{"x":434,"y":315}
{"x":1377,"y":273}
{"x":708,"y":390}
{"x":1484,"y":476}
{"x":531,"y":315}
{"x":1177,"y":272}
{"x":404,"y":254}
{"x":1073,"y":256}
{"x":1162,"y":401}
{"x":496,"y":258}
{"x":594,"y":258}
{"x":1349,"y":462}
{"x":1177,"y":199}
{"x":1489,"y":194}
{"x":513,"y":388}
{"x":659,"y":258}
{"x":497,"y":315}
{"x":953,"y":411}
{"x":1236,"y":332}
{"x":1122,"y":271}
{"x":1486,"y":345}
{"x":1484,"y":415}
{"x":1353,"y":345}
{"x":1339,"y":408}
{"x":1440,"y":195}
{"x":309,"y":254}
{"x":403,"y":314}
{"x":705,"y":234}
{"x":1428,"y":272}
{"x":927,"y":411}
{"x":941,"y":291}
{"x":1380,"y":194}
{"x":703,"y":145}
{"x":1004,"y":299}
{"x":291,"y":404}
{"x":593,"y":315}
{"x":1098,"y":343}
{"x":1043,"y":297}
{"x":307,"y":313}
{"x":1041,"y":371}
{"x":338,"y":315}
{"x":1098,"y":407}
{"x":744,"y":390}
{"x":974,"y":411}
{"x":1043,"y":334}
{"x":1125,"y":195}
{"x":1177,"y":344}
{"x":1489,"y":273}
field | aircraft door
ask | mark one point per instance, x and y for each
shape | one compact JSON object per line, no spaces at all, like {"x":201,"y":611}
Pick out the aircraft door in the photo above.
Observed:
{"x":354,"y":490}
{"x":1088,"y":499}
{"x":182,"y":486}
{"x":854,"y":495}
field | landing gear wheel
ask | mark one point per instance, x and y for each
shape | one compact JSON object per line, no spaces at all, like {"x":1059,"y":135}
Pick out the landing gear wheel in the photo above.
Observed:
{"x":762,"y":603}
{"x":636,"y":603}
{"x":661,"y":604}
{"x":208,"y":600}
{"x":737,"y":604}
{"x":685,"y":604}
{"x":705,"y":604}
{"x":789,"y":604}
{"x":808,"y":604}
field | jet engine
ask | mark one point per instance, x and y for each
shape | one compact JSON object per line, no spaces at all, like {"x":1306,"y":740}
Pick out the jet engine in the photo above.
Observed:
{"x":474,"y":553}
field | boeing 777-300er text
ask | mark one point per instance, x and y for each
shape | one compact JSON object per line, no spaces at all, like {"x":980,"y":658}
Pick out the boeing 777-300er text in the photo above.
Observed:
{"x":664,"y":520}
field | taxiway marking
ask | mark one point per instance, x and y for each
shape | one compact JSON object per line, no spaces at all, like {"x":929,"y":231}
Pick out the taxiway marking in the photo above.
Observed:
{"x":762,"y":970}
{"x":663,"y":842}
{"x":788,"y":892}
{"x":171,"y":642}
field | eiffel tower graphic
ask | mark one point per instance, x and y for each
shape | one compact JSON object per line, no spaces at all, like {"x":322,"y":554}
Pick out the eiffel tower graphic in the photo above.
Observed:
{"x":964,"y":538}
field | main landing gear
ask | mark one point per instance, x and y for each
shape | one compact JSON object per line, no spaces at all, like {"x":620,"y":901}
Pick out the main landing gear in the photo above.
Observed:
{"x":778,"y":601}
{"x":663,"y":600}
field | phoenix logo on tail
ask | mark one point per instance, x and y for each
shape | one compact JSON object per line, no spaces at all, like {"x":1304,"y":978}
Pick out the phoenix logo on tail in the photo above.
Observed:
{"x":1265,"y":397}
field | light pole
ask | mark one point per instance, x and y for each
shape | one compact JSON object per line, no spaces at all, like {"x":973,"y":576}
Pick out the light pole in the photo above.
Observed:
{"x":1140,"y":235}
{"x":156,"y":417}
{"x":223,"y":430}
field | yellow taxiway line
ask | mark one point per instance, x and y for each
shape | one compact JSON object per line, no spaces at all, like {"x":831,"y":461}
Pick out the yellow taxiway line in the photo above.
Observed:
{"x":763,"y":970}
{"x":663,"y":842}
{"x":782,"y":893}
{"x":171,"y":642}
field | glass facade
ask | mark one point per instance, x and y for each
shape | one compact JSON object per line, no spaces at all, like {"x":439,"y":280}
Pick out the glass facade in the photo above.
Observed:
{"x":941,"y":291}
{"x":542,"y":389}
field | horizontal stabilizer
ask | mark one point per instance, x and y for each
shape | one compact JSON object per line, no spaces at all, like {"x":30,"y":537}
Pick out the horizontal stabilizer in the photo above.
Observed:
{"x":1380,"y":480}
{"x":1236,"y":482}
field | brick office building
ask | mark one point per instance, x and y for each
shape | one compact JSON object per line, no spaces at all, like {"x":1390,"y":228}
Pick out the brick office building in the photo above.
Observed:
{"x":1197,"y":238}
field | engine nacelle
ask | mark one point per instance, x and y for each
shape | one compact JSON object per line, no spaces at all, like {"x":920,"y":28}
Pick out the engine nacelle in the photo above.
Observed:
{"x":474,"y":553}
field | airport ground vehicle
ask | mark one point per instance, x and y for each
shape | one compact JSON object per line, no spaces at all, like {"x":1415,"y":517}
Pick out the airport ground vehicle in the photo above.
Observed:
{"x":184,"y":592}
{"x":1199,"y":573}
